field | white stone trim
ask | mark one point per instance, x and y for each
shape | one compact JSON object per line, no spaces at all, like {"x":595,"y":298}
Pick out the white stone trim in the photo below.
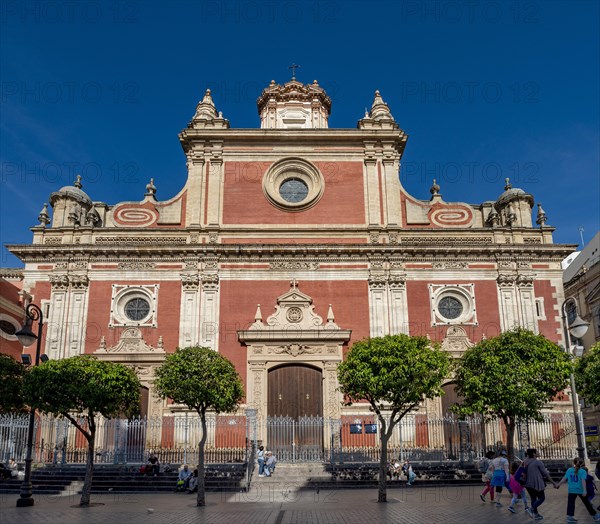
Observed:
{"x":12,"y":321}
{"x":288,"y":168}
{"x":464,"y":293}
{"x":121,"y":294}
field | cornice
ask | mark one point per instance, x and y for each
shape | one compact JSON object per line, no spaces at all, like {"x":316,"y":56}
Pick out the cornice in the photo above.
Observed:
{"x":11,"y":273}
{"x":244,"y":252}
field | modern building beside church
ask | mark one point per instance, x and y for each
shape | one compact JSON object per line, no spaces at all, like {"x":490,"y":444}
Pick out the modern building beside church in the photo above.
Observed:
{"x":286,"y":244}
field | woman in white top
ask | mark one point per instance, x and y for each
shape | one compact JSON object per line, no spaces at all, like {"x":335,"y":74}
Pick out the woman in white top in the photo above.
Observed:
{"x":500,"y":475}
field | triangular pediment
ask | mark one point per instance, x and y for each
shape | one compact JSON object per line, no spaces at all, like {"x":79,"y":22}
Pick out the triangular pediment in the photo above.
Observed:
{"x":294,"y":317}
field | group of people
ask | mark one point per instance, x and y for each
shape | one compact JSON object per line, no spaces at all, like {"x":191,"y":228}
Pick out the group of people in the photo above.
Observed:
{"x":266,"y":462}
{"x":187,"y":480}
{"x":396,"y":469}
{"x":529,"y":478}
{"x":9,"y":471}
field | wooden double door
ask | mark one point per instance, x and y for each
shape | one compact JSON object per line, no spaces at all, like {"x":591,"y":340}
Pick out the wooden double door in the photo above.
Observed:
{"x":295,"y":411}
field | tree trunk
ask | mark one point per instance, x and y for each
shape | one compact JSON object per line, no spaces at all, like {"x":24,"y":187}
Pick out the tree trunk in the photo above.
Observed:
{"x":510,"y":436}
{"x":89,"y":467}
{"x":201,"y":499}
{"x":382,"y":495}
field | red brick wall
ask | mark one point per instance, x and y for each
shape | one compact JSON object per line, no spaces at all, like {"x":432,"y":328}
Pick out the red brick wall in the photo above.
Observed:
{"x":245,"y":203}
{"x":549,"y":327}
{"x":486,"y":303}
{"x":168,"y":310}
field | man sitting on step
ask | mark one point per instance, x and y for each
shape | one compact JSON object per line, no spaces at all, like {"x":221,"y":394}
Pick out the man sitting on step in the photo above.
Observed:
{"x":270,"y":464}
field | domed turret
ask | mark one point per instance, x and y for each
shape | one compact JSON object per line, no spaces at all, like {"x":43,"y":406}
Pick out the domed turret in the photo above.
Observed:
{"x":514,"y":207}
{"x":70,"y":205}
{"x":294,"y":105}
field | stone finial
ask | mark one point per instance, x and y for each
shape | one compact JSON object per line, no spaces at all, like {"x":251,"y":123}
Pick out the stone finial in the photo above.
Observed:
{"x":294,"y":283}
{"x":493,"y":218}
{"x":150,"y":188}
{"x":507,"y":185}
{"x":541,"y":216}
{"x":330,"y":315}
{"x":92,"y":218}
{"x":160,"y":344}
{"x":511,"y":216}
{"x":379,"y":109}
{"x":77,"y":182}
{"x":258,"y":314}
{"x":74,"y":215}
{"x":102,"y":343}
{"x":44,"y":217}
{"x":435,"y":188}
{"x":206,"y":110}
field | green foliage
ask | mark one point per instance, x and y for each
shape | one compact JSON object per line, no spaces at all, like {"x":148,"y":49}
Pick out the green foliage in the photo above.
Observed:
{"x":394,"y":372}
{"x":11,"y":384}
{"x":587,"y":375}
{"x":513,"y":375}
{"x":84,"y":385}
{"x":201,"y":379}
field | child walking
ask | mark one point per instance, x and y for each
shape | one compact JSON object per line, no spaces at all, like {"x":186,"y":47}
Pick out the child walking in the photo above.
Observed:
{"x":484,"y":468}
{"x":518,"y":489}
{"x":575,"y":477}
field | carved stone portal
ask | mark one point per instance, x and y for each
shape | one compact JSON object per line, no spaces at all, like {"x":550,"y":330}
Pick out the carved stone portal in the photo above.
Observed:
{"x":293,"y":334}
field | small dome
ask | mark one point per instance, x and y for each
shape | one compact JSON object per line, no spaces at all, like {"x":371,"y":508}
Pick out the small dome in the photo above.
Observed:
{"x":512,"y":193}
{"x":73,"y":192}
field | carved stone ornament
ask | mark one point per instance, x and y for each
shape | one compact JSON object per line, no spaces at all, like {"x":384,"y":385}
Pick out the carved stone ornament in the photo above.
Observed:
{"x":525,"y":280}
{"x":437,"y":241}
{"x":79,"y":281}
{"x":136,"y":264}
{"x":131,"y":341}
{"x":397,"y":281}
{"x":294,"y":264}
{"x":393,"y":238}
{"x":374,"y":238}
{"x":53,"y":241}
{"x":456,"y":341}
{"x":211,"y":264}
{"x":293,"y":349}
{"x":190,"y":281}
{"x":61,"y":265}
{"x":59,"y":282}
{"x":210,"y":281}
{"x":505,"y":280}
{"x":378,"y":280}
{"x":213,"y":238}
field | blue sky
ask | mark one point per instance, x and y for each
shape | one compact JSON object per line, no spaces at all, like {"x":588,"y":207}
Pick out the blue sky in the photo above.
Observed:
{"x":485,"y":90}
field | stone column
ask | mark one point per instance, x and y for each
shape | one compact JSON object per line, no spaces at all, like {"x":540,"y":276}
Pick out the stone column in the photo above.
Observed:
{"x":195,"y":184}
{"x":527,"y":302}
{"x":189,"y":323}
{"x":77,"y":315}
{"x":509,"y":315}
{"x":56,"y":330}
{"x":398,"y":304}
{"x":209,"y":311}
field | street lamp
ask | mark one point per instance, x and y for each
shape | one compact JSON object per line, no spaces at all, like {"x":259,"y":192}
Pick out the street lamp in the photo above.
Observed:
{"x":27,"y":337}
{"x":578,"y":328}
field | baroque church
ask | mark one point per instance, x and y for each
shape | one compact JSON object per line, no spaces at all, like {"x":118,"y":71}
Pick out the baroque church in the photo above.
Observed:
{"x":286,"y":244}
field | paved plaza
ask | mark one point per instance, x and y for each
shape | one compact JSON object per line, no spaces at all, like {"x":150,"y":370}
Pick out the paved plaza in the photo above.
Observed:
{"x":283,"y":505}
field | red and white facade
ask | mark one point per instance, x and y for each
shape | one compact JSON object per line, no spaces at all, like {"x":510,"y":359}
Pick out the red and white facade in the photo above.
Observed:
{"x":288,"y":243}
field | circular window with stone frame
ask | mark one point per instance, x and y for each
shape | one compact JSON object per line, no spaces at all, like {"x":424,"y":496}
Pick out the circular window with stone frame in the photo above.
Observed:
{"x":453,"y":305}
{"x":134,"y":306}
{"x":8,"y":327}
{"x":293,"y":184}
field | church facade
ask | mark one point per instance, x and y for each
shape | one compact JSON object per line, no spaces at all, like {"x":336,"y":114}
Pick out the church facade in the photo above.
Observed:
{"x":286,"y":244}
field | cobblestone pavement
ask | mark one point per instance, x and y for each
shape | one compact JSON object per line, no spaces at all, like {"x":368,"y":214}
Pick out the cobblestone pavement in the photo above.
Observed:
{"x":443,"y":505}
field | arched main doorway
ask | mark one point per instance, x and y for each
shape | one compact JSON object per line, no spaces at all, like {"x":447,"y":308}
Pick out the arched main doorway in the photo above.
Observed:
{"x":295,"y":412}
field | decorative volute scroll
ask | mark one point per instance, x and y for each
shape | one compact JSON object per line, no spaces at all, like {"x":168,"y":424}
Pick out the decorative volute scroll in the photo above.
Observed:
{"x":456,"y":341}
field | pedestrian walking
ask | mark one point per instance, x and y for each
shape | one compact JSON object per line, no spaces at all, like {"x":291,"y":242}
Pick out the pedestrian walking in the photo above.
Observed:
{"x":536,"y":475}
{"x":500,"y":475}
{"x":486,"y":472}
{"x":575,"y":478}
{"x":518,"y":489}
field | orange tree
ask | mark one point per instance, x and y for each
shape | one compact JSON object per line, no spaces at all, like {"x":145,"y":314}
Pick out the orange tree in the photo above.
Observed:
{"x":203,"y":380}
{"x":512,"y":376}
{"x":394,"y":374}
{"x":11,"y":385}
{"x":587,"y":375}
{"x":80,"y":388}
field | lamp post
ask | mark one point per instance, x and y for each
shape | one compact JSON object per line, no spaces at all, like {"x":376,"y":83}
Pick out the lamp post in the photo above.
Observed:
{"x":27,"y":337}
{"x":578,"y":328}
